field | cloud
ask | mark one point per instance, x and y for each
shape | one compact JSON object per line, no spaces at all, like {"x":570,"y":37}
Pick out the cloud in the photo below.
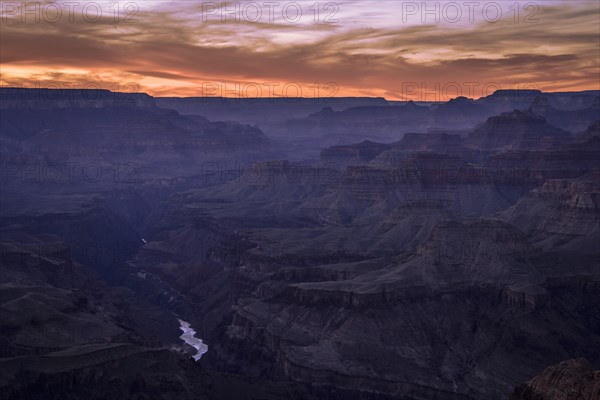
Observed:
{"x":170,"y":53}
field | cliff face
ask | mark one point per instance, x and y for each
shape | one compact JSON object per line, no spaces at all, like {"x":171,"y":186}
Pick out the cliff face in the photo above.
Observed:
{"x":367,"y":333}
{"x":575,"y":115}
{"x":460,"y":112}
{"x":569,"y":380}
{"x":129,"y":372}
{"x":303,"y":312}
{"x":16,"y":98}
{"x":441,"y":298}
{"x":592,"y":131}
{"x":561,"y":162}
{"x":506,"y":100}
{"x":98,"y":236}
{"x":515,"y":130}
{"x":563,"y":213}
{"x":87,"y":124}
{"x":65,"y":330}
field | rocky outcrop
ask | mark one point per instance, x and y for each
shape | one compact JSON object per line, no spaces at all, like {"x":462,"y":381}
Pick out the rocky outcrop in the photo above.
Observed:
{"x":65,"y":330}
{"x":562,"y":213}
{"x":98,"y":237}
{"x":574,"y":116}
{"x":569,"y":380}
{"x":568,"y":161}
{"x":321,"y":331}
{"x":461,"y":113}
{"x":125,"y":371}
{"x":592,"y":131}
{"x":516,"y":130}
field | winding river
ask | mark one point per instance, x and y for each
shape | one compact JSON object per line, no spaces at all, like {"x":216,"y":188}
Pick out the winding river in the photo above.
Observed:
{"x":189,"y":337}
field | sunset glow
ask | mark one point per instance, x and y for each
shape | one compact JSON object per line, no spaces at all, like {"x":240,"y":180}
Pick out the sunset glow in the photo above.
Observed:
{"x":360,"y":48}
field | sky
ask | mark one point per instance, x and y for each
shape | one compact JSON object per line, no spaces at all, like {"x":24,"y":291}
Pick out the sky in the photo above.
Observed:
{"x":418,"y":50}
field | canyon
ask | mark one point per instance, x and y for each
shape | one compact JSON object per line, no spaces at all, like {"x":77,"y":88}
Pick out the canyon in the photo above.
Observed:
{"x":360,"y":249}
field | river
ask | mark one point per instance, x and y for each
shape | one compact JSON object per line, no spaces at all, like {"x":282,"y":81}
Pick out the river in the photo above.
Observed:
{"x":189,"y":337}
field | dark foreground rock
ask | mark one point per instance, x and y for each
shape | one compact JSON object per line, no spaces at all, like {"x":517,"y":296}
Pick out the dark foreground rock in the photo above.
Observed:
{"x":569,"y":380}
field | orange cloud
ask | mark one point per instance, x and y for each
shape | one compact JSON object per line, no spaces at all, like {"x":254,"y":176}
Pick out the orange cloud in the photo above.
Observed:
{"x":165,"y":53}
